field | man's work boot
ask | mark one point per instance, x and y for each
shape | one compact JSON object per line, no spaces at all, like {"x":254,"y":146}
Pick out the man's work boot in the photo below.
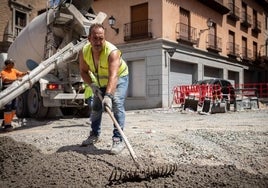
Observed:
{"x":8,"y":128}
{"x":92,"y":139}
{"x":118,"y":146}
{"x":7,"y":121}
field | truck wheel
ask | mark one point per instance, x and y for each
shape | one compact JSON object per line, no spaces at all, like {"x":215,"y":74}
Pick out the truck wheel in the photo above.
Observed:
{"x":22,"y":111}
{"x":35,"y":104}
{"x":68,"y":111}
{"x":84,"y":112}
{"x":1,"y":114}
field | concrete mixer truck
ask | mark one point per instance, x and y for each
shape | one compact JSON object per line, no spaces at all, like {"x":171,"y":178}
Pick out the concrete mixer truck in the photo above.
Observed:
{"x":49,"y":46}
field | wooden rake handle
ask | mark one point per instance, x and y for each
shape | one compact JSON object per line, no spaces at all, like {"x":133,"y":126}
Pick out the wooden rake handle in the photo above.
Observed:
{"x":129,"y":147}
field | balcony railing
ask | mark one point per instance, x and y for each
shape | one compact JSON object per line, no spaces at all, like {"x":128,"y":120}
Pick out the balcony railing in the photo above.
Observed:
{"x":234,"y":12}
{"x":246,"y":54}
{"x":217,"y":5}
{"x":138,"y":30}
{"x":186,"y":33}
{"x":256,"y":26}
{"x":264,"y":59}
{"x":232,"y":49}
{"x":255,"y":56}
{"x":214,"y":43}
{"x":246,"y":20}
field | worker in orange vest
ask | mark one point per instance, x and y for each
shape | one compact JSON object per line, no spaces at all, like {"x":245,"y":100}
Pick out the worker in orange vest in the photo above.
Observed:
{"x":9,"y":74}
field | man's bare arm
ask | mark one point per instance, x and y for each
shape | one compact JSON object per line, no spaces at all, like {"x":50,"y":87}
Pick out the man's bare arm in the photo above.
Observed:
{"x":114,"y":64}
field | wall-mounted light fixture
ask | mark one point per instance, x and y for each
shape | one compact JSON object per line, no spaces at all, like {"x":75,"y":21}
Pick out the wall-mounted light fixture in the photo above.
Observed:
{"x":170,"y":51}
{"x":112,"y":23}
{"x":210,"y":24}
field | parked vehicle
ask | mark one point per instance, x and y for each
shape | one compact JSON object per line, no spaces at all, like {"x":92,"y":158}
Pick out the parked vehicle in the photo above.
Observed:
{"x":227,"y":90}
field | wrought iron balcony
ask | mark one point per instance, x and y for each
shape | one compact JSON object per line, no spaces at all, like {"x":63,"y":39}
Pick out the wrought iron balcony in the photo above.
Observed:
{"x":246,"y":54}
{"x":217,"y":5}
{"x":232,"y":49}
{"x":138,"y":30}
{"x":186,"y":34}
{"x":264,"y":59}
{"x":246,"y":20}
{"x":234,"y":12}
{"x":256,"y":26}
{"x":214,"y":43}
{"x":255,"y":56}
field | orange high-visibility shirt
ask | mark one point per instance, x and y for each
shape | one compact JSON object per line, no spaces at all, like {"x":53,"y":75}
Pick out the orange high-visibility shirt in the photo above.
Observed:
{"x":12,"y":74}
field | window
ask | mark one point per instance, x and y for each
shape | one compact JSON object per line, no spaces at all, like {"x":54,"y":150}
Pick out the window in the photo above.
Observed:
{"x":234,"y":11}
{"x":244,"y":47}
{"x":255,"y":50}
{"x":246,"y":52}
{"x":232,"y":48}
{"x":140,"y":26}
{"x":139,"y":21}
{"x":20,"y":21}
{"x":256,"y":28}
{"x":246,"y":19}
{"x":20,"y":14}
{"x":185,"y":30}
{"x":214,"y":43}
{"x":266,"y":48}
{"x":266,"y":22}
{"x":232,"y":6}
{"x":255,"y":19}
{"x":244,"y":12}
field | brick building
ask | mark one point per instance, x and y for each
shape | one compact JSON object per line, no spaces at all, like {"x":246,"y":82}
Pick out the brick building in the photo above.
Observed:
{"x":15,"y":14}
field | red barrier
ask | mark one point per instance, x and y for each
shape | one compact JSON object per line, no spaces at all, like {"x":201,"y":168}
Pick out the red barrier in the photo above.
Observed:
{"x":215,"y":92}
{"x":259,"y":90}
{"x":197,"y":92}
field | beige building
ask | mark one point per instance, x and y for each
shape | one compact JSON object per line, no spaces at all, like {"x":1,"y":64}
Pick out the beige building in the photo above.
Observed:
{"x":171,"y":42}
{"x":176,"y":42}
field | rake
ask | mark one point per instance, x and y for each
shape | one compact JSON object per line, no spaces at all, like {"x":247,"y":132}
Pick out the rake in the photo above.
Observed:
{"x":139,"y":173}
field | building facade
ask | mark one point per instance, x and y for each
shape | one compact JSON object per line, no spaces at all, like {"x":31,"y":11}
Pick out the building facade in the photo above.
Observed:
{"x":171,"y":42}
{"x":15,"y":15}
{"x":176,"y":42}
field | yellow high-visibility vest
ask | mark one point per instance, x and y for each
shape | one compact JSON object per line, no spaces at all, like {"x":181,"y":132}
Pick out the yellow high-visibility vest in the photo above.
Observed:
{"x":102,"y":73}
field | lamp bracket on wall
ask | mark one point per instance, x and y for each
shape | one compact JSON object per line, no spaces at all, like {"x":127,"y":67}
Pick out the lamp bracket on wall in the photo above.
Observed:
{"x":210,"y":24}
{"x":112,"y":23}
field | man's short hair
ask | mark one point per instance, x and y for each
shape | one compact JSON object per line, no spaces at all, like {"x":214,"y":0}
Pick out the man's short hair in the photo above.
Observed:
{"x":9,"y":61}
{"x":95,"y":25}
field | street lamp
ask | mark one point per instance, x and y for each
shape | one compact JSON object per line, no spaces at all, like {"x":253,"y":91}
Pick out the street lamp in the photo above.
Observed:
{"x":112,"y":23}
{"x":210,"y":24}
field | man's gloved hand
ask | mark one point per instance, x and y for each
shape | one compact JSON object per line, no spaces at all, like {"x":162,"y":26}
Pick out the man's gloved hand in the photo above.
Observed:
{"x":107,"y":101}
{"x":95,"y":89}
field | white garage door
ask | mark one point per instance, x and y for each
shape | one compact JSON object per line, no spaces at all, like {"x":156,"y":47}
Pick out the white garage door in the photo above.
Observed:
{"x":137,"y":79}
{"x":181,"y":73}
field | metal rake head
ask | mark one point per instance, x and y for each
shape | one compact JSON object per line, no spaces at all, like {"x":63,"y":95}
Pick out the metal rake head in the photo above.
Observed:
{"x":119,"y":175}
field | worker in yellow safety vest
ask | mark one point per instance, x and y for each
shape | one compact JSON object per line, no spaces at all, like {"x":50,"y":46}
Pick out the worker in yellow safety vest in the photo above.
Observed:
{"x":105,"y":61}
